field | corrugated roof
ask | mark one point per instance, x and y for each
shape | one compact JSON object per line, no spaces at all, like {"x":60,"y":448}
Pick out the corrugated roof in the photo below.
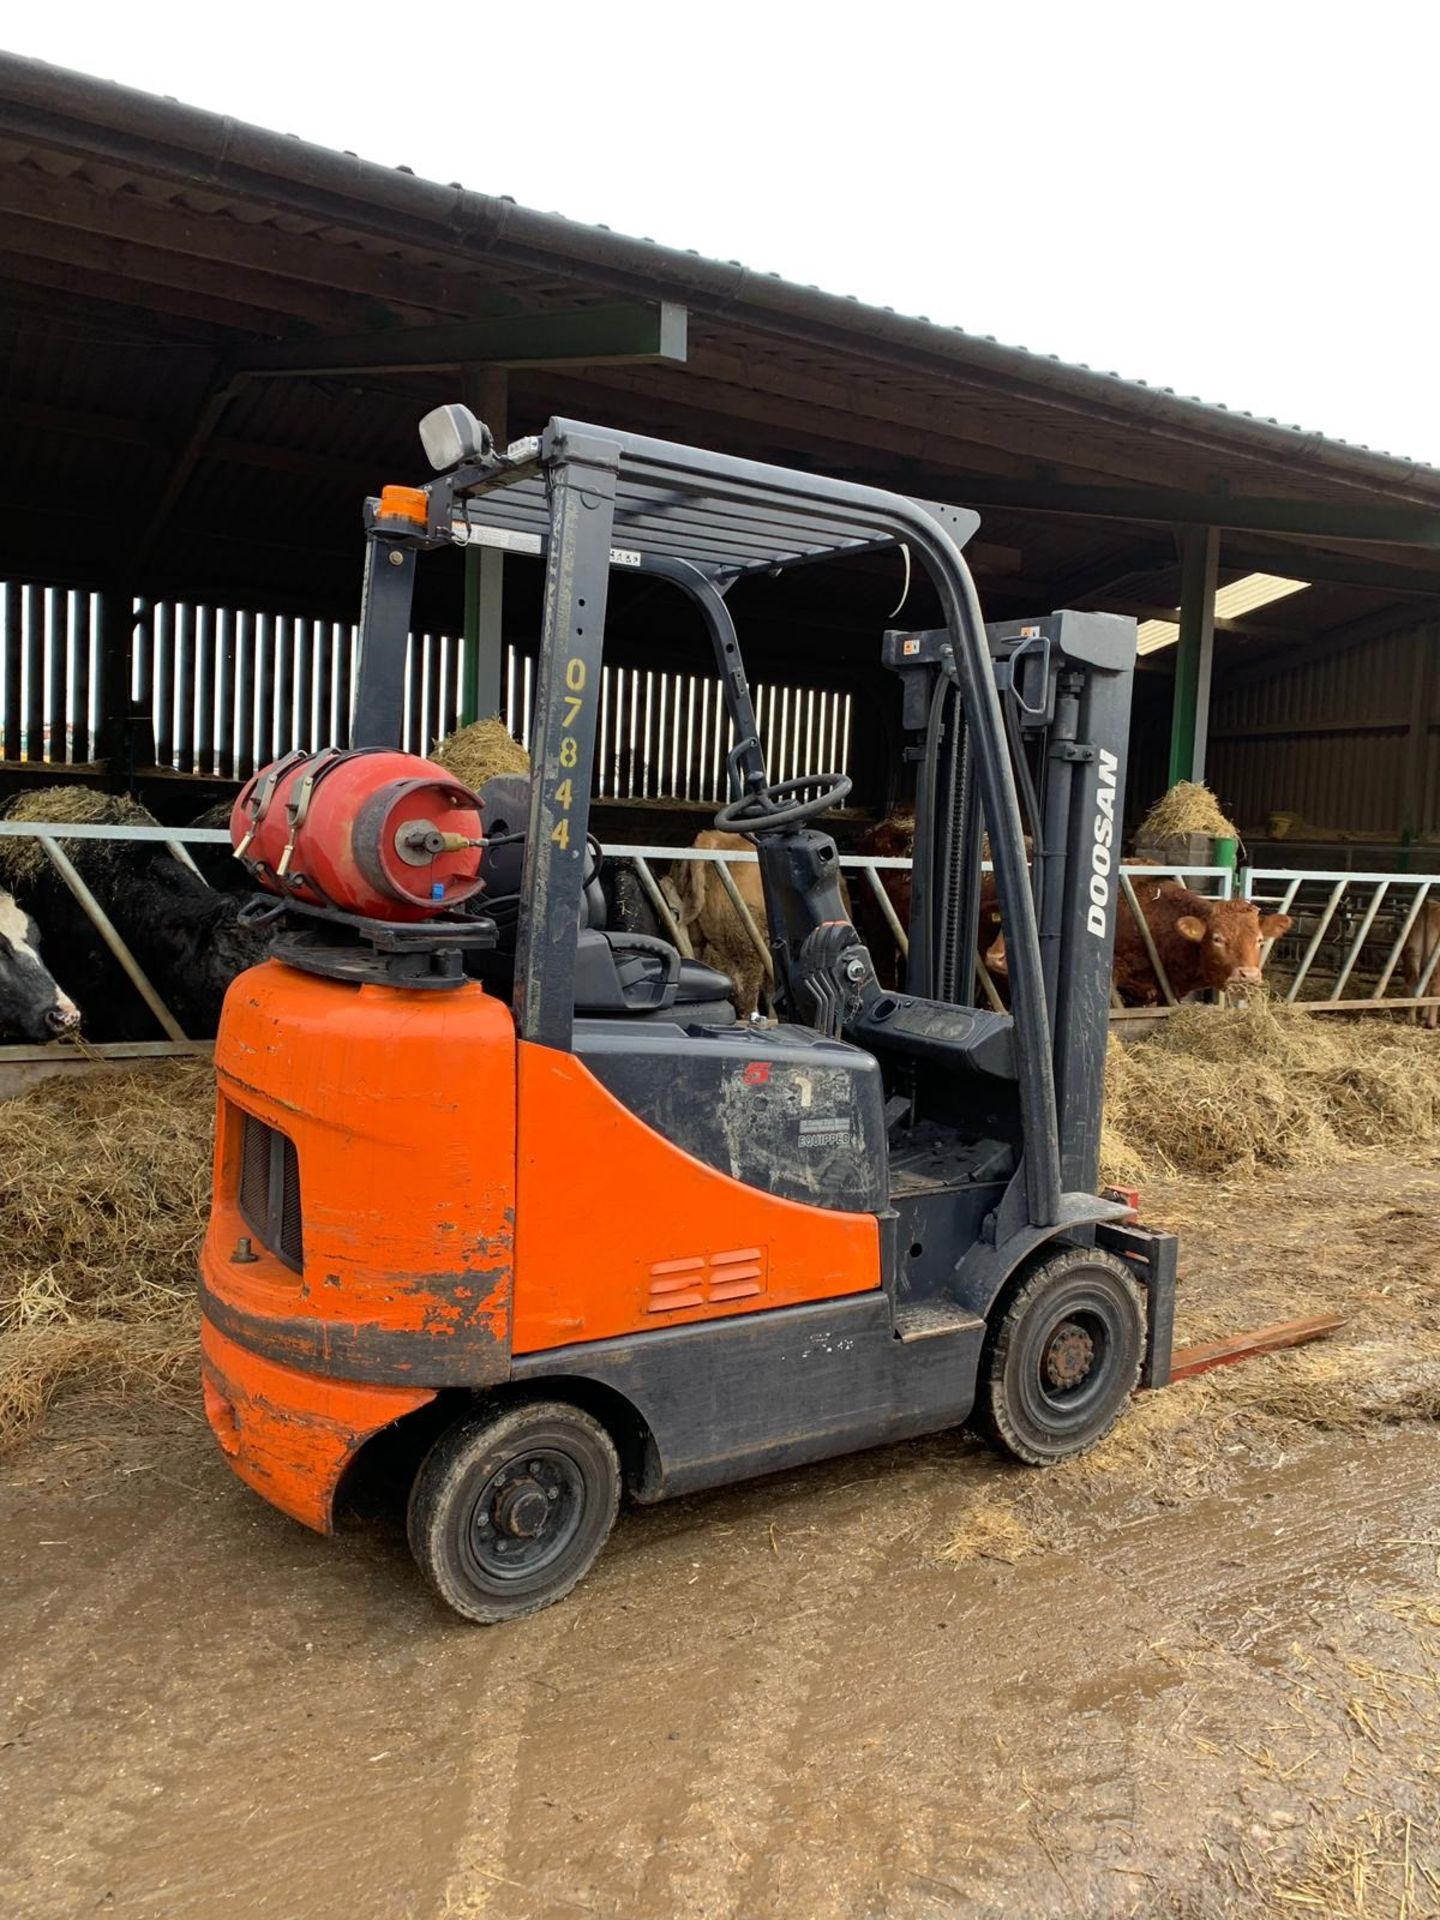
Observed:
{"x":168,"y":154}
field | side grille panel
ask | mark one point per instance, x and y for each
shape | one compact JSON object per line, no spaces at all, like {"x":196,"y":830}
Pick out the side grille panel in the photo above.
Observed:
{"x":255,"y":1175}
{"x":703,"y":1279}
{"x":270,"y":1191}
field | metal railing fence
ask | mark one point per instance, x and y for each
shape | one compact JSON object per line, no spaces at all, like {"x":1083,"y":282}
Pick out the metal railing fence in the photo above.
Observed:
{"x":177,"y":839}
{"x":1350,"y":929}
{"x":1386,"y":909}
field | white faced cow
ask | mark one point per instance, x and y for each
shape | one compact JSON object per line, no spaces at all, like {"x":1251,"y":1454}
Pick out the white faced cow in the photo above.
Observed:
{"x":32,"y":1007}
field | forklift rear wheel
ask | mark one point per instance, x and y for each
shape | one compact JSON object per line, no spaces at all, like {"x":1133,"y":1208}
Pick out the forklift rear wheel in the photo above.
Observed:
{"x":510,"y":1509}
{"x":1062,"y":1358}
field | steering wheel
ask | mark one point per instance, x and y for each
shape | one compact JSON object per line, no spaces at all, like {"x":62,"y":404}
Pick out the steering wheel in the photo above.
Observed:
{"x":769,"y":808}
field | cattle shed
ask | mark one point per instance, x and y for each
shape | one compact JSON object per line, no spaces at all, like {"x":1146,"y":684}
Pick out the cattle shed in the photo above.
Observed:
{"x":218,"y":341}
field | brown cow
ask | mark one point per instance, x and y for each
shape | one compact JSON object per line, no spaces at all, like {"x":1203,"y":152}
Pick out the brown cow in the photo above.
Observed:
{"x":706,"y":911}
{"x":1203,"y":944}
{"x":702,"y":905}
{"x":1420,"y":943}
{"x":892,"y":838}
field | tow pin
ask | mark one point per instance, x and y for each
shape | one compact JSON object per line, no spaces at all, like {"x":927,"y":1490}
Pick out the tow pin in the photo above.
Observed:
{"x":244,"y":1254}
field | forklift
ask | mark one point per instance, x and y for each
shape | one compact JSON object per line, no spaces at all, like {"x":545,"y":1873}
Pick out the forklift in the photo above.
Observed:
{"x":522,"y":1185}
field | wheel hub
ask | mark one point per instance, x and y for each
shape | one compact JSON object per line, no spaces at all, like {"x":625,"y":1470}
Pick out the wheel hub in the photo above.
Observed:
{"x":522,"y":1510}
{"x":1069,"y":1356}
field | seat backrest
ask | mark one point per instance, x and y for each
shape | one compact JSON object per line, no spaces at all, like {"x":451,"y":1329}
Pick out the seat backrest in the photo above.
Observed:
{"x":505,"y":817}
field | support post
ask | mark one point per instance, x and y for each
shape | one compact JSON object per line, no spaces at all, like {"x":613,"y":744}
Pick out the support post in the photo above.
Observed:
{"x":482,"y":668}
{"x":1422,"y":700}
{"x":126,"y":737}
{"x":377,"y":719}
{"x":1190,"y":715}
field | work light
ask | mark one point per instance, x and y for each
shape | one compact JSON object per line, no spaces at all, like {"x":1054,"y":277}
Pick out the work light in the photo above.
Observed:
{"x":451,"y":434}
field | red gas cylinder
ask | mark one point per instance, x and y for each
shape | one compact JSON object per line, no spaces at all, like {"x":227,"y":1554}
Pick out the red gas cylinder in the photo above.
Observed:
{"x":386,"y":835}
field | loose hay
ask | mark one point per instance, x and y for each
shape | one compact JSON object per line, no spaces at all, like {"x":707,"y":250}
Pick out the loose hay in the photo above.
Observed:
{"x":479,"y":752}
{"x":104,"y":1188}
{"x":1189,"y":807}
{"x":1305,"y":1135}
{"x":22,"y":860}
{"x":1230,"y":1091}
{"x":992,"y":1530}
{"x":149,"y":1366}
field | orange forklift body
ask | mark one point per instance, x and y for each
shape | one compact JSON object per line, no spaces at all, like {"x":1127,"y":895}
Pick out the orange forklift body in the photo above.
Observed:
{"x":425,"y":1130}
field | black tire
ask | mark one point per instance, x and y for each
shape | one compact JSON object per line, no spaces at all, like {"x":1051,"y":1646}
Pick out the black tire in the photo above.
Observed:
{"x":511,"y":1508}
{"x":1062,"y":1357}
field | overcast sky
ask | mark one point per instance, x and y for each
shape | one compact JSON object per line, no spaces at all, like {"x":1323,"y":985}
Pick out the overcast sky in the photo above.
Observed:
{"x":1235,"y":200}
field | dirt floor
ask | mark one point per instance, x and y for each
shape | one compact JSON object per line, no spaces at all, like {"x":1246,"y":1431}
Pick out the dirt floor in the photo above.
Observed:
{"x":1196,"y":1675}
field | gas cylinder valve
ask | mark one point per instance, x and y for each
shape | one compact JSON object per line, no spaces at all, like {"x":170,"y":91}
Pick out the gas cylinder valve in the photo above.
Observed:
{"x":419,"y":842}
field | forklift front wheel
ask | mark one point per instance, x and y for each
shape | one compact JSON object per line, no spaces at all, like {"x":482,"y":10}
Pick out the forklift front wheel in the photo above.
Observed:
{"x":1062,"y":1357}
{"x":510,"y":1509}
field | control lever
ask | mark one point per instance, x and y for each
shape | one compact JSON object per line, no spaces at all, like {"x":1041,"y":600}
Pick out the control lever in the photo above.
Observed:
{"x":832,"y":972}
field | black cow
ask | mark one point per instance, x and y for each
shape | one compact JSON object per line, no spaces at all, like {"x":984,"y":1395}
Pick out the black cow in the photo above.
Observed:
{"x":184,"y":934}
{"x":217,"y":863}
{"x":32,"y":1006}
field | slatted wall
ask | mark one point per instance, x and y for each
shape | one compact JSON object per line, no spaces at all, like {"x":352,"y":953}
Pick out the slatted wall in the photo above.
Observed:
{"x":229,"y":690}
{"x":49,"y":687}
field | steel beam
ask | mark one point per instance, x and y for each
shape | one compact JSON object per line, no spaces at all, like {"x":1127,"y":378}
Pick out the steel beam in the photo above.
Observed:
{"x":1402,"y":524}
{"x":966,"y":415}
{"x":1376,"y":573}
{"x":1194,"y":656}
{"x":486,"y":391}
{"x":629,"y":331}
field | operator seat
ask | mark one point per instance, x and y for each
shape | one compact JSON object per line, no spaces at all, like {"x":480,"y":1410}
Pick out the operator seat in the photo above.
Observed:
{"x":630,"y":975}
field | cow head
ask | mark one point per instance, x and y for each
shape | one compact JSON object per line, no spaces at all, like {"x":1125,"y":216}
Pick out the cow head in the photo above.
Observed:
{"x":1228,"y":935}
{"x":32,"y":1006}
{"x":892,"y":838}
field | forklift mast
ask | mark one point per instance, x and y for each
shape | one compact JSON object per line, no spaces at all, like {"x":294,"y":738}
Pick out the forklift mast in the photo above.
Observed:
{"x":1020,"y":730}
{"x":1064,"y":684}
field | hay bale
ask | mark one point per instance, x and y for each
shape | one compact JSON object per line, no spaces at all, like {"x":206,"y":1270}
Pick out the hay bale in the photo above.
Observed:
{"x":1189,"y":807}
{"x":1227,"y":1091}
{"x":478,"y":752}
{"x":22,"y":861}
{"x":104,"y":1191}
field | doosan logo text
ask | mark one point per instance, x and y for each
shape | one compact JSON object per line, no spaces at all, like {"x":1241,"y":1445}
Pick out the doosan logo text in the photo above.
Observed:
{"x":1097,"y":920}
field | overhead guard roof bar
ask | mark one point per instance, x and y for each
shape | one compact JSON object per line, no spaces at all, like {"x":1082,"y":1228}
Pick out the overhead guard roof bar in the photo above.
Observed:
{"x":727,"y":516}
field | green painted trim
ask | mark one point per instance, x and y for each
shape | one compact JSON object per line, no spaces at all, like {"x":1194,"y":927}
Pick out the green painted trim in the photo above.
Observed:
{"x":1189,"y":714}
{"x":629,"y":331}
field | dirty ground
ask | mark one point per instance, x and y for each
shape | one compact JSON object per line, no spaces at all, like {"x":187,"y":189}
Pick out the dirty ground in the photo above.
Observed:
{"x":1199,"y":1677}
